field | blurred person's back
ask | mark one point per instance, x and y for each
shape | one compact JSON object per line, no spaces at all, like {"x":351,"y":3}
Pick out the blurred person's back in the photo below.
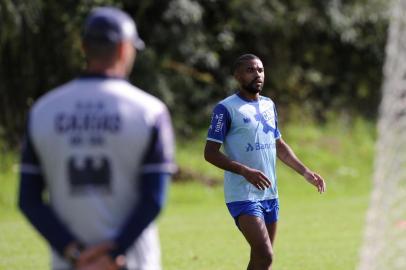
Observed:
{"x":103,"y":149}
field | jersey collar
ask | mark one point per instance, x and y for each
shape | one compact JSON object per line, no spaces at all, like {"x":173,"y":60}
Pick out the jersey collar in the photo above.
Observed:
{"x":247,"y":100}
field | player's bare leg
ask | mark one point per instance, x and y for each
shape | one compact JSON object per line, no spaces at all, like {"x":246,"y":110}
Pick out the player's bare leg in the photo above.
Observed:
{"x":256,"y":233}
{"x":272,"y":232}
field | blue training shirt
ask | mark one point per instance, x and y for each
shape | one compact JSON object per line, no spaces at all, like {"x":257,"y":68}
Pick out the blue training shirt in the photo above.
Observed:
{"x":248,"y":131}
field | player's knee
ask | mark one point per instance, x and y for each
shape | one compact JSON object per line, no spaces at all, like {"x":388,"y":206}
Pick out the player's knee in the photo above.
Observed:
{"x":268,"y":259}
{"x":264,"y":258}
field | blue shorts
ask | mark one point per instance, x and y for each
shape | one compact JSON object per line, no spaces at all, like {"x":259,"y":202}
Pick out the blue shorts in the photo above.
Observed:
{"x":268,"y":210}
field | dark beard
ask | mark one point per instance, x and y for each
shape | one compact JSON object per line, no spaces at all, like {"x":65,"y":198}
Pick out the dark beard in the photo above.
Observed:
{"x":252,"y":88}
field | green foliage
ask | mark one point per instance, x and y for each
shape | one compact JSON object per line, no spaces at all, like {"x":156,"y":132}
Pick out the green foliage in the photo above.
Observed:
{"x":319,"y":55}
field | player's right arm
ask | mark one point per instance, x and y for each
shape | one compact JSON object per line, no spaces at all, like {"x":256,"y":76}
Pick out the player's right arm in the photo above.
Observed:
{"x":219,"y":127}
{"x":213,"y":155}
{"x":32,"y":204}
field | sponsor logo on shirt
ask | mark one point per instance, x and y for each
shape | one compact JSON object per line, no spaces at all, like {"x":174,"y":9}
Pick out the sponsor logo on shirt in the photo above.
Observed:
{"x":258,"y":146}
{"x":249,"y":148}
{"x":219,"y":125}
{"x":246,"y":120}
{"x":89,"y":172}
{"x":87,"y":123}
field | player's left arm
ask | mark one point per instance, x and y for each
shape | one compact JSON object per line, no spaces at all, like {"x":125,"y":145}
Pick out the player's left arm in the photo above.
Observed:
{"x":287,"y":156}
{"x":110,"y":254}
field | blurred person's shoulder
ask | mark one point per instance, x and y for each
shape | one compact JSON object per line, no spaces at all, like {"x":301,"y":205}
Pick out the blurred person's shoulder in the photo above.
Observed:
{"x":142,"y":98}
{"x":52,"y":97}
{"x":118,"y":89}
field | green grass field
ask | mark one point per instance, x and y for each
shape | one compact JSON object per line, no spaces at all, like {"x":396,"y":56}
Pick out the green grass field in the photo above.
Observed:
{"x":315,"y":231}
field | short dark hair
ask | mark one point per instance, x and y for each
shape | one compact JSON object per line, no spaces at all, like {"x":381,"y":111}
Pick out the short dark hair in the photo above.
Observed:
{"x":99,"y":50}
{"x":242,"y":59}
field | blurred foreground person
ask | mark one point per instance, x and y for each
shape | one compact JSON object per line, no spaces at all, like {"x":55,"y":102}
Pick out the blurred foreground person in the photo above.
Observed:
{"x":246,"y":124}
{"x":102,"y":150}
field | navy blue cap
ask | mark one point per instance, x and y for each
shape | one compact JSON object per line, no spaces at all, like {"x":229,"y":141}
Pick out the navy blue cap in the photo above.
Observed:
{"x":111,"y":25}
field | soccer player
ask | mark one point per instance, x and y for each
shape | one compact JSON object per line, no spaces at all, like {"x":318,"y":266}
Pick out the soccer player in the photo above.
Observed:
{"x":102,"y":149}
{"x":246,"y":124}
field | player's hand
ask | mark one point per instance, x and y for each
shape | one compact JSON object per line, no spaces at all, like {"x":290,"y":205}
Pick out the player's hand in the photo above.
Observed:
{"x":316,"y":180}
{"x":257,"y":178}
{"x":92,"y":253}
{"x":103,"y":262}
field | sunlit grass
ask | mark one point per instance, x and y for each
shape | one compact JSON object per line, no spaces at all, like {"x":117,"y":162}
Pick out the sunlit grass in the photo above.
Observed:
{"x":315,"y":231}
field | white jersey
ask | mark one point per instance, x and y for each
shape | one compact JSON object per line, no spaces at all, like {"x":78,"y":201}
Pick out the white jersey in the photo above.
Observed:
{"x":91,"y":137}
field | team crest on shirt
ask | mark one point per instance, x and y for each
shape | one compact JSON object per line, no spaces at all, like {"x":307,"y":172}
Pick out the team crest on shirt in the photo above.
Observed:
{"x":267,"y":119}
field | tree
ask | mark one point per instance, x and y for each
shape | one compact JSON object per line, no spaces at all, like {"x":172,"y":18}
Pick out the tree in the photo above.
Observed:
{"x":319,"y":55}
